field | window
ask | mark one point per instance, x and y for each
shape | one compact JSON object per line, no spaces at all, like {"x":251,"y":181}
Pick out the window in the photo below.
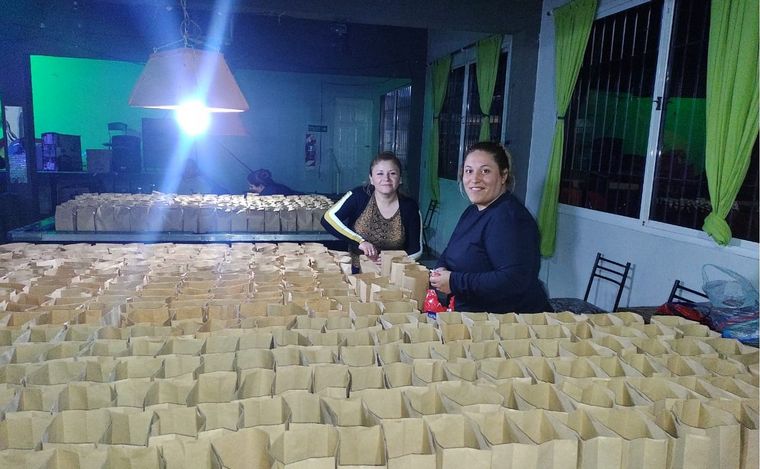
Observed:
{"x":394,"y":119}
{"x":460,"y":118}
{"x":623,"y":96}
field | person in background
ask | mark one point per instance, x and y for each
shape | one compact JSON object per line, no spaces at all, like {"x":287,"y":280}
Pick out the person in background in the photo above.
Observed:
{"x":260,"y":182}
{"x":377,"y":217}
{"x":492,"y":260}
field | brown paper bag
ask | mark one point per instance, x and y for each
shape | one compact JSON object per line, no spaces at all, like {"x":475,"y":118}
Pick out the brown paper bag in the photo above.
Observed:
{"x":272,"y":221}
{"x":461,"y":369}
{"x":78,"y":426}
{"x":215,"y":387}
{"x":358,"y":355}
{"x":343,"y":412}
{"x":177,"y":420}
{"x":86,"y":396}
{"x":361,"y":446}
{"x":303,"y":407}
{"x":330,"y":376}
{"x":65,"y":217}
{"x":644,"y":443}
{"x":175,"y":366}
{"x":455,"y":442}
{"x":397,"y":374}
{"x":408,"y":437}
{"x":255,"y":382}
{"x":382,"y":404}
{"x":184,"y":454}
{"x":366,"y":377}
{"x":292,"y":377}
{"x":85,"y":217}
{"x":129,"y":457}
{"x":24,"y":430}
{"x":169,"y":391}
{"x":263,"y":412}
{"x":311,"y":445}
{"x":254,"y":358}
{"x":246,"y":448}
{"x":724,"y":432}
{"x":422,"y":401}
{"x":220,"y":415}
{"x":541,"y":396}
{"x":458,"y":394}
{"x":131,"y":392}
{"x":129,"y":427}
{"x":538,"y":368}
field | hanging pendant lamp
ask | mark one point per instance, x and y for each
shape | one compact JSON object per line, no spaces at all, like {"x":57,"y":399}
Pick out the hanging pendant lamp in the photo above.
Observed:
{"x":174,"y":77}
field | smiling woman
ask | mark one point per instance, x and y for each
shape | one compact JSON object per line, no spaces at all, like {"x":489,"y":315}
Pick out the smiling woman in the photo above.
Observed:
{"x":492,"y":260}
{"x":377,"y":217}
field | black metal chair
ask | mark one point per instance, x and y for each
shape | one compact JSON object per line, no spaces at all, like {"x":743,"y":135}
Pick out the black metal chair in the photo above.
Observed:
{"x":426,"y":222}
{"x":605,"y":269}
{"x":679,"y":290}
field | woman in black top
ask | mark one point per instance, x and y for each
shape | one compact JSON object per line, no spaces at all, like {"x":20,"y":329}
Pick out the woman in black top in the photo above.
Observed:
{"x":377,"y":217}
{"x":492,"y":260}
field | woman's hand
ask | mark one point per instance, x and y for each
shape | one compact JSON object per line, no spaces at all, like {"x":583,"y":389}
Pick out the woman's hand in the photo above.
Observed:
{"x":439,"y":279}
{"x":369,"y":250}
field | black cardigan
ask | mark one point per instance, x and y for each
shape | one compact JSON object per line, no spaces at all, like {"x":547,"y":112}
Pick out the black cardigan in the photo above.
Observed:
{"x":340,"y":218}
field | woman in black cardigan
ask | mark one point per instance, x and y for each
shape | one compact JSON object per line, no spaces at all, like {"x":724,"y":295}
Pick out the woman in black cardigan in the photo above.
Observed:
{"x":377,"y":217}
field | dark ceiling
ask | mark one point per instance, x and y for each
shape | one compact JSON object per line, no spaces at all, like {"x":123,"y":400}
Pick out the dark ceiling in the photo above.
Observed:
{"x":490,"y":16}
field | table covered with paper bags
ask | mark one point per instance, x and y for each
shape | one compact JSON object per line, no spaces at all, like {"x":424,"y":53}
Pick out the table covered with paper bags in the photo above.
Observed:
{"x":263,"y":355}
{"x":199,"y":213}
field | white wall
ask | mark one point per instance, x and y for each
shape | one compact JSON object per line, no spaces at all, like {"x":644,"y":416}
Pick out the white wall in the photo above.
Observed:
{"x":658,"y":257}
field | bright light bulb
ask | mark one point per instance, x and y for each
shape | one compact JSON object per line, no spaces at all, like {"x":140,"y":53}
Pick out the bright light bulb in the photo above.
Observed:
{"x":193,"y":117}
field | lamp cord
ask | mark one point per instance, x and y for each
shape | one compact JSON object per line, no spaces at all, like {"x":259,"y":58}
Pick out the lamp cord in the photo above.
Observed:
{"x":230,"y":153}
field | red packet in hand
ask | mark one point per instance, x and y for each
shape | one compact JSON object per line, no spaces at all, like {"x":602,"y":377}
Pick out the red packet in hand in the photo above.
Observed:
{"x":432,"y":306}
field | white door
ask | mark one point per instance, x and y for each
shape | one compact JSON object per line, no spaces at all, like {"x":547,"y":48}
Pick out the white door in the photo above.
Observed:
{"x":352,"y":141}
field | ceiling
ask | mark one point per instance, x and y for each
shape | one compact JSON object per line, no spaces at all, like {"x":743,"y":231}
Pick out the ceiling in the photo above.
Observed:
{"x":488,"y":16}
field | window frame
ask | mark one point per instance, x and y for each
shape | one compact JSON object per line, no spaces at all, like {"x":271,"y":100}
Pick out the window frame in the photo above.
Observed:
{"x":403,"y":157}
{"x":465,"y":58}
{"x":643,"y":223}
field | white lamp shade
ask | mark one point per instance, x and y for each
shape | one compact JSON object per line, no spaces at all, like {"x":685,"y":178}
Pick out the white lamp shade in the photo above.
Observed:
{"x":175,"y":76}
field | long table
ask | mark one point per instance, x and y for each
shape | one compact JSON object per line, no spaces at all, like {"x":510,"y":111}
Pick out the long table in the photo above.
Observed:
{"x":44,"y":231}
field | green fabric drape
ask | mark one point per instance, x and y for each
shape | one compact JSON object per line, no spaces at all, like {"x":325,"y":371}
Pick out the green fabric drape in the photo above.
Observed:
{"x":731,"y":108}
{"x":572,"y":26}
{"x":488,"y":51}
{"x":440,"y":79}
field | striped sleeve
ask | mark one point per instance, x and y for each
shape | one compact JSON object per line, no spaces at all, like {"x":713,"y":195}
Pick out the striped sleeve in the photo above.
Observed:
{"x":335,"y":224}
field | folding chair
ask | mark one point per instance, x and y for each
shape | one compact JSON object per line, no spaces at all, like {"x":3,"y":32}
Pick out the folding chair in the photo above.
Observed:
{"x":678,"y":290}
{"x":605,"y":269}
{"x":426,"y":222}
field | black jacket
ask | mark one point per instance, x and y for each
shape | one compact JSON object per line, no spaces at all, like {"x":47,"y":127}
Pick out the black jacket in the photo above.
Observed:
{"x":340,"y":218}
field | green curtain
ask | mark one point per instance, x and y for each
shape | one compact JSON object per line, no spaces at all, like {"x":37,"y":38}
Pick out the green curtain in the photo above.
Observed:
{"x":488,"y":51}
{"x":440,"y":79}
{"x":731,"y":108}
{"x":572,"y":26}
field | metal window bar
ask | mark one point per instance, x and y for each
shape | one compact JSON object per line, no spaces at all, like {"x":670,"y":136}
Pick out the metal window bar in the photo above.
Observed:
{"x":680,"y":193}
{"x":605,"y":142}
{"x":449,"y":125}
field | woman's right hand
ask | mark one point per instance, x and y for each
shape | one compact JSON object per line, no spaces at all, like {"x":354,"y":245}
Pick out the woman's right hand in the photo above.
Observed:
{"x":369,"y":250}
{"x":439,"y":279}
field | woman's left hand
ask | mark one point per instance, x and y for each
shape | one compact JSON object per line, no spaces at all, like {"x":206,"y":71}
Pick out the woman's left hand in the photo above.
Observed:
{"x":439,"y":279}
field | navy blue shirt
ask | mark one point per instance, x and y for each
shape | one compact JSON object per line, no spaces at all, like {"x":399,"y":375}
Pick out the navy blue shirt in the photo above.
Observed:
{"x":494,"y":259}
